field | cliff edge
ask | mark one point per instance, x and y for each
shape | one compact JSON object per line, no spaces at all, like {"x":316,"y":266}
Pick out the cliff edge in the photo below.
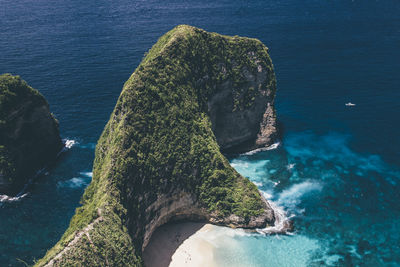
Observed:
{"x":29,"y":136}
{"x":159,"y":157}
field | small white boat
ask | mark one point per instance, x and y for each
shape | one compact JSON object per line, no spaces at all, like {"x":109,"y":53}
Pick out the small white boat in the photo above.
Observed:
{"x":350,"y":104}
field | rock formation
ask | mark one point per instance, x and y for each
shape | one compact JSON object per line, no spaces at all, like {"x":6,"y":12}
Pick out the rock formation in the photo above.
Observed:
{"x":29,"y":136}
{"x":158,"y":158}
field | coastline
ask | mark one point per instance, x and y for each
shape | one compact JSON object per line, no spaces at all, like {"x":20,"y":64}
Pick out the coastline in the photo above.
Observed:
{"x":180,"y":244}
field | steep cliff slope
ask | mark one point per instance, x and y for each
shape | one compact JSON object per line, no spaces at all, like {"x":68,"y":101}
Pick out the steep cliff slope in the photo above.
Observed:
{"x":159,"y":157}
{"x":29,"y":136}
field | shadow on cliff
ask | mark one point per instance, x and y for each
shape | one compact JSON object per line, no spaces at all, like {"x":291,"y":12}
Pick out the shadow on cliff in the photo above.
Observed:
{"x":166,"y":240}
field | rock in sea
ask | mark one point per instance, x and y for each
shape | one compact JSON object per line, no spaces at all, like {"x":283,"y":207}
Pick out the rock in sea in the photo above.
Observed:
{"x":29,"y":135}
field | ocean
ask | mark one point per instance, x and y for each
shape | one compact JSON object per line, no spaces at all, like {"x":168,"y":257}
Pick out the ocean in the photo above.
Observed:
{"x":337,"y":170}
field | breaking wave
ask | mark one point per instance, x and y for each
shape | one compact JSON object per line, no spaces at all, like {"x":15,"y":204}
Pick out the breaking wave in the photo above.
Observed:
{"x":282,"y":221}
{"x":5,"y":198}
{"x":271,"y":147}
{"x":68,"y":144}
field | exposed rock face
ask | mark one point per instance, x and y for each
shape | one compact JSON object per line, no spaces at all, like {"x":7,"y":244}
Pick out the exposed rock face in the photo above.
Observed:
{"x":243,"y":128}
{"x":183,"y":206}
{"x":159,"y":156}
{"x":29,"y":136}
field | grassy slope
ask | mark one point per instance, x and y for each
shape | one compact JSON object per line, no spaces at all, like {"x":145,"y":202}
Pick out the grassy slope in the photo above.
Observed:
{"x":159,"y":138}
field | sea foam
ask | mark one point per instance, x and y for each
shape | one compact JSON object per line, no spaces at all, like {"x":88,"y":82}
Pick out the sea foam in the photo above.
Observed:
{"x":281,"y":218}
{"x":271,"y":147}
{"x":76,"y":182}
{"x":68,"y":144}
{"x":292,"y":196}
{"x":5,"y":198}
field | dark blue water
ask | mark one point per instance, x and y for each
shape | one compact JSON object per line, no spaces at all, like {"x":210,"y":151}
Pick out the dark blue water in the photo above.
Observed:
{"x":326,"y":53}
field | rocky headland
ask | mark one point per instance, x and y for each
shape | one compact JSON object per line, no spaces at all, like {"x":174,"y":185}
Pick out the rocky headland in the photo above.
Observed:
{"x":29,"y":135}
{"x":159,"y":157}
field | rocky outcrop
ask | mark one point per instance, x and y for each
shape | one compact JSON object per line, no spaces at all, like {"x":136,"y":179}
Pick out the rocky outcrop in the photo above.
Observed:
{"x":183,"y":206}
{"x":29,"y":136}
{"x":159,"y":157}
{"x":242,"y":127}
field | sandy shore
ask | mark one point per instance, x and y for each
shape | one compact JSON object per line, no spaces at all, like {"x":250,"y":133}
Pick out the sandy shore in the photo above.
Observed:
{"x":180,"y":244}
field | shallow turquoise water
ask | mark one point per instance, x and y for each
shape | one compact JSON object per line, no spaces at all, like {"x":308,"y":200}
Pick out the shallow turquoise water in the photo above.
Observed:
{"x":237,"y":248}
{"x":344,"y":205}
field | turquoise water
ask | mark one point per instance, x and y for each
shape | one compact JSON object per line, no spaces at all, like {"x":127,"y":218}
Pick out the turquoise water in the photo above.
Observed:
{"x":344,"y":205}
{"x":237,"y":248}
{"x":337,"y":170}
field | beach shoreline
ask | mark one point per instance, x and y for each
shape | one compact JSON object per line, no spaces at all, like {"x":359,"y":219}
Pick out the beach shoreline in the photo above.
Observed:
{"x":180,"y":244}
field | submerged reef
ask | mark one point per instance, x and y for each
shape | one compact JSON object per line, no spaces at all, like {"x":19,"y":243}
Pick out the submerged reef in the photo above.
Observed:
{"x":159,"y":157}
{"x":29,"y":135}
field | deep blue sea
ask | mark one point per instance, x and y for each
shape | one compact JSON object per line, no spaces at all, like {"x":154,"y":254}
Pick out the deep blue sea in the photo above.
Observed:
{"x":337,"y":172}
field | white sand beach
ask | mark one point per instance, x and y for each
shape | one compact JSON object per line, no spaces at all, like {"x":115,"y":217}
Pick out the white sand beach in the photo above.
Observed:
{"x":180,"y":244}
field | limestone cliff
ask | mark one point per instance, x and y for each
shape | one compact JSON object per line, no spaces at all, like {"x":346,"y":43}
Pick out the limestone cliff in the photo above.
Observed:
{"x":29,"y":136}
{"x":158,"y":158}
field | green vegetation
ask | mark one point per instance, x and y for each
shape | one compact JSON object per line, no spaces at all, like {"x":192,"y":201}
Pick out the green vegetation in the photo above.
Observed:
{"x":13,"y":91}
{"x":159,"y":140}
{"x":15,"y":95}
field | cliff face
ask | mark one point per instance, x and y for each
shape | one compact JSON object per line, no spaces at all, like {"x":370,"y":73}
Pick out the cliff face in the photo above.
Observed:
{"x":29,"y":136}
{"x":244,"y":119}
{"x":159,"y":157}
